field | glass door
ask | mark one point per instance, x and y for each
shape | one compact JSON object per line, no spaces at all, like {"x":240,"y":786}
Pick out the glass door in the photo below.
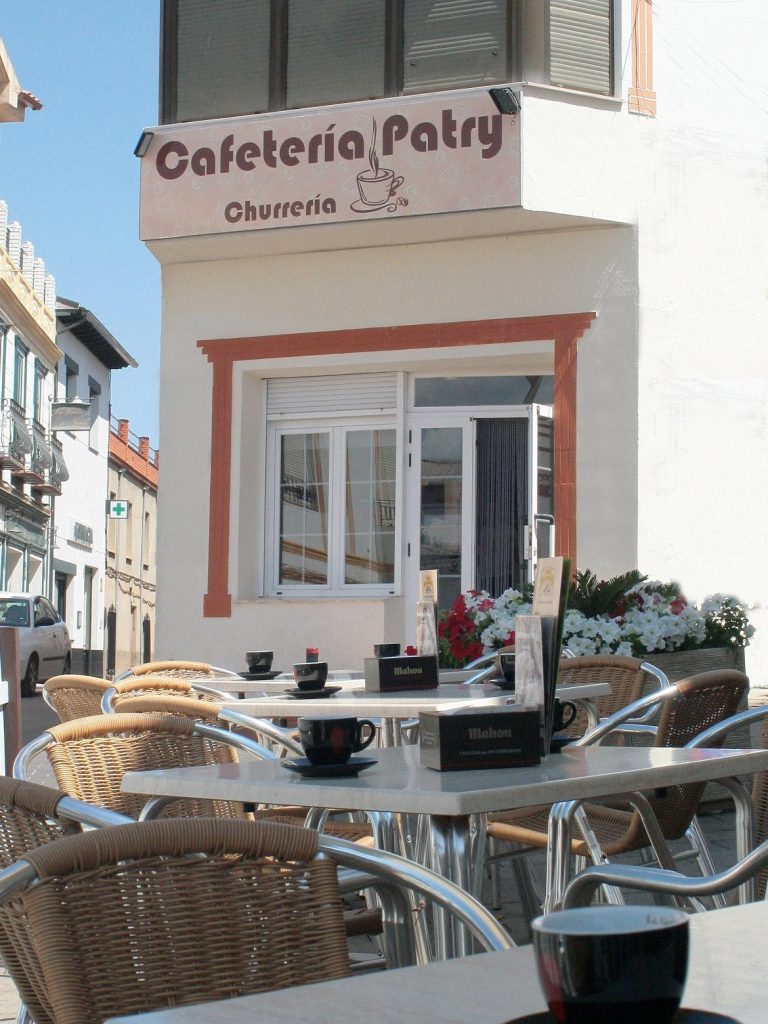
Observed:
{"x":480,"y":507}
{"x":440,"y":531}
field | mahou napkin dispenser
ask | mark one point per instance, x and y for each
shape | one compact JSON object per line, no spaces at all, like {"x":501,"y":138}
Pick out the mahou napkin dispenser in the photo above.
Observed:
{"x":388,"y":675}
{"x":504,"y":737}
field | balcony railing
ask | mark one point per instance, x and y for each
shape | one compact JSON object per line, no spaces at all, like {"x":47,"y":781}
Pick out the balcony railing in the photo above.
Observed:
{"x":16,"y":442}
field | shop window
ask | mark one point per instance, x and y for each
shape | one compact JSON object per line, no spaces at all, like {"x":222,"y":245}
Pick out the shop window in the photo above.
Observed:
{"x":227,"y":57}
{"x":333,"y":502}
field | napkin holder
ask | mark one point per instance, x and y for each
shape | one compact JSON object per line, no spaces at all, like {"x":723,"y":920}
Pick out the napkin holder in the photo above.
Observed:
{"x":389,"y":675}
{"x":503,"y":737}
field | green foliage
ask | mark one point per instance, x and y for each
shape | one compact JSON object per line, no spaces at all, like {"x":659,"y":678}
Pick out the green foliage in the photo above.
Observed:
{"x":593,"y":597}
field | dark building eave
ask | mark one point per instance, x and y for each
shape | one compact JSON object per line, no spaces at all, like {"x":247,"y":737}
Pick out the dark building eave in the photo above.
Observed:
{"x":88,"y":330}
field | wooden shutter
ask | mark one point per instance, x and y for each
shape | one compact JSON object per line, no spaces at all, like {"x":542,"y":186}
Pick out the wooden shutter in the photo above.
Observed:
{"x":580,"y":40}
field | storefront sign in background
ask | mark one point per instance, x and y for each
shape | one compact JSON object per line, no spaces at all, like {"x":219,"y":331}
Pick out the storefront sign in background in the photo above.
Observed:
{"x":403,"y":157}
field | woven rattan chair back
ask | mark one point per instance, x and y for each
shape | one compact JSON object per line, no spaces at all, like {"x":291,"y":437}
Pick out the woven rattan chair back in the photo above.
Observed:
{"x":90,"y":756}
{"x":75,"y":696}
{"x":157,"y":685}
{"x":185,"y":705}
{"x":624,"y":675}
{"x":177,"y":669}
{"x":27,"y":820}
{"x":133,"y":919}
{"x":760,"y":801}
{"x":704,"y":700}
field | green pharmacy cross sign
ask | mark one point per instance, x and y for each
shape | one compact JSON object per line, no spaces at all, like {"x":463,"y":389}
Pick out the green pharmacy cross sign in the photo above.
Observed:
{"x":117,"y":509}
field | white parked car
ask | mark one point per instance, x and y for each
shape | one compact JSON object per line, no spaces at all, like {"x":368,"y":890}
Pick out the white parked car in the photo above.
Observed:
{"x":45,"y":649}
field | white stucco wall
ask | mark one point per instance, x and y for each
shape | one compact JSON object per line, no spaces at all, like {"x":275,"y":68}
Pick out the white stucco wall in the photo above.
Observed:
{"x":83,"y":496}
{"x":703,"y":250}
{"x":584,"y":270}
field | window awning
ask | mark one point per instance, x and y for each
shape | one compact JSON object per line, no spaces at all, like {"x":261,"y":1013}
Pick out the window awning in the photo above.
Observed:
{"x":59,"y":470}
{"x":42,"y":456}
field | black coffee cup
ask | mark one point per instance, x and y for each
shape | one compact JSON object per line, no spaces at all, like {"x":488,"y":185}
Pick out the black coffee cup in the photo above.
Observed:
{"x":386,"y":650}
{"x":259,"y":661}
{"x":564,"y":713}
{"x":505,"y":664}
{"x":615,"y":965}
{"x":310,"y":675}
{"x":334,"y":740}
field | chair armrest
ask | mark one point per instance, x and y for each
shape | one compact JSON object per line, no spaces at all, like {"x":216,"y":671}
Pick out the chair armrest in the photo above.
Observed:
{"x":581,"y":889}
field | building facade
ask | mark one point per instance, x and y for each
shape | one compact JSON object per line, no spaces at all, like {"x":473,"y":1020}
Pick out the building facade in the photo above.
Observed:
{"x":131,"y":583}
{"x":83,"y":401}
{"x":449,"y":286}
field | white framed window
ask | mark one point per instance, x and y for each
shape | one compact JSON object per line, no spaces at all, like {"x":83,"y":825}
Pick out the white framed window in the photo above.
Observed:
{"x":332,"y":495}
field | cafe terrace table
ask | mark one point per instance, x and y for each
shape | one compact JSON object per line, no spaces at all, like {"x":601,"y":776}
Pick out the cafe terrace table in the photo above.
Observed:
{"x":398,"y":785}
{"x":726,"y":974}
{"x":403,"y":704}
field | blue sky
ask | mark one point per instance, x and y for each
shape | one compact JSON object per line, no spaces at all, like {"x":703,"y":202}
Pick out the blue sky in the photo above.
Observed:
{"x":69,"y":175}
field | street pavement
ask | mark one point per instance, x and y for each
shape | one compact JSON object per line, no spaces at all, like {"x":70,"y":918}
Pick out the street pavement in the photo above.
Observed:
{"x":717,"y":825}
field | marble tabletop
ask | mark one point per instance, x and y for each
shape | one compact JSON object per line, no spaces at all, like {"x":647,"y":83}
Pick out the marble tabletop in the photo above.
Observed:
{"x":356,"y":700}
{"x":398,"y":783}
{"x":726,"y":974}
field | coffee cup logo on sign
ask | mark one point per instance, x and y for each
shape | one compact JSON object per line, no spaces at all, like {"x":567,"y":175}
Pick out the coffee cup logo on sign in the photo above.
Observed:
{"x":377,"y":185}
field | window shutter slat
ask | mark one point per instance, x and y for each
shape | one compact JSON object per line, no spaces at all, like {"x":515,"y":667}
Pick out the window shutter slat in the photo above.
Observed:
{"x":580,"y":45}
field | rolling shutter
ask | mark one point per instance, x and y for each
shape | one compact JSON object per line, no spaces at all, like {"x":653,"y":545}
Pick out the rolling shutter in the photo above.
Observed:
{"x":580,"y":45}
{"x":453,"y":43}
{"x":331,"y":395}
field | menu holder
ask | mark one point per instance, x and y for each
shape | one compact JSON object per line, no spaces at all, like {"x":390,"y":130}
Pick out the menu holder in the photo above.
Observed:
{"x":540,"y":642}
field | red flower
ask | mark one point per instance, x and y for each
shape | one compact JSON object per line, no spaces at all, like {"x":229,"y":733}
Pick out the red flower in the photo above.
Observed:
{"x":678,"y":606}
{"x":410,"y":650}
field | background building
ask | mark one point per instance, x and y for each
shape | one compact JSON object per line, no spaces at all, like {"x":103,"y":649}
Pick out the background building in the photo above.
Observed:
{"x":131,"y":588}
{"x":90,"y":353}
{"x":471,"y":279}
{"x":31,"y":469}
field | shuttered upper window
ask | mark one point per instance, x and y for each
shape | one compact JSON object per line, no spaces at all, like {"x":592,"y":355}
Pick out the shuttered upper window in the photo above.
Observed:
{"x":229,"y":57}
{"x":580,"y":45}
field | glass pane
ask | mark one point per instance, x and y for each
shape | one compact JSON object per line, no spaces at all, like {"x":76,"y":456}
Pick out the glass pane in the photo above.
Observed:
{"x":458,"y":391}
{"x":304,"y":465}
{"x":440,"y":524}
{"x":223,"y":58}
{"x":335,"y":51}
{"x":369,"y":535}
{"x":454,"y":43}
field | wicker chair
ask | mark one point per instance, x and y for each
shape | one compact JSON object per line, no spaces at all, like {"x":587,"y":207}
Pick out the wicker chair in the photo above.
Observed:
{"x":75,"y":696}
{"x":89,"y":757}
{"x":30,"y":816}
{"x":689,"y":706}
{"x":178,"y":669}
{"x":629,"y":679}
{"x":133,"y":919}
{"x":154,"y":686}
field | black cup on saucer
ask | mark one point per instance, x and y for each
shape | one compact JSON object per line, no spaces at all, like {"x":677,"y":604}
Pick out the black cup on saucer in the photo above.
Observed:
{"x":505,"y":665}
{"x":615,"y":965}
{"x":386,"y":650}
{"x":564,"y":713}
{"x":259,"y":661}
{"x":334,"y":740}
{"x":310,"y":675}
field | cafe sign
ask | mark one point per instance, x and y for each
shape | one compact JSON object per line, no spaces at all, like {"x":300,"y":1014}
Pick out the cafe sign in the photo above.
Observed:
{"x":411,"y":156}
